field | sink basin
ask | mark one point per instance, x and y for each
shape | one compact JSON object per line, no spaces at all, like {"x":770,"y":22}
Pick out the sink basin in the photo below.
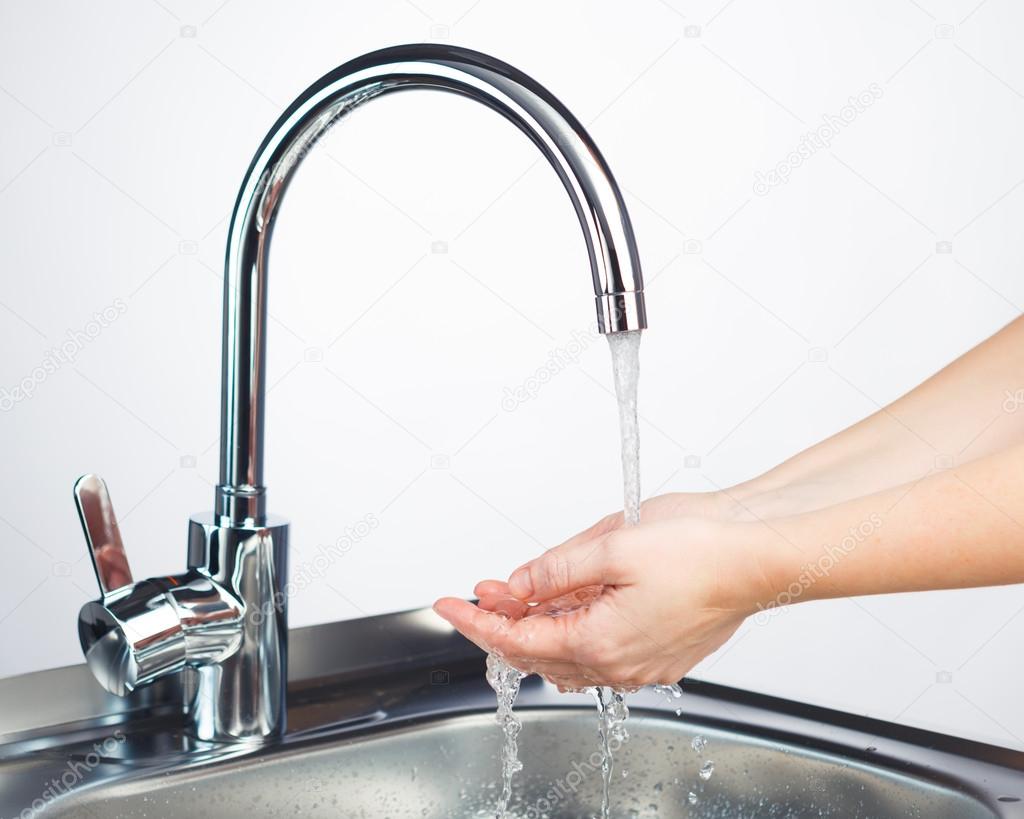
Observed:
{"x":449,"y":768}
{"x":390,"y":717}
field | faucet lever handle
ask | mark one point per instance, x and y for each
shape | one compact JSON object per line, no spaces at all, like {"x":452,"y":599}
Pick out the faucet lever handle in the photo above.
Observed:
{"x":102,"y":534}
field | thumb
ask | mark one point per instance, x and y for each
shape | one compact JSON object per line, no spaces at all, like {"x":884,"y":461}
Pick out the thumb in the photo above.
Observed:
{"x":565,"y":569}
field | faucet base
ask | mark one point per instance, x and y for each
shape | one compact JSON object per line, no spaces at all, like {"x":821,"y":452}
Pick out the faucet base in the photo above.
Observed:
{"x":242,"y":696}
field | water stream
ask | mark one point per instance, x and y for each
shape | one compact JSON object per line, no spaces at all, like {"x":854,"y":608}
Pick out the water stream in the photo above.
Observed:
{"x":611,"y":729}
{"x":611,"y":702}
{"x":505,"y":681}
{"x":625,"y":348}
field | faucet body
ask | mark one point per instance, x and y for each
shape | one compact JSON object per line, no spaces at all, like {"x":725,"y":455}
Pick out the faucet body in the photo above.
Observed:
{"x":225,"y":618}
{"x":222,"y":620}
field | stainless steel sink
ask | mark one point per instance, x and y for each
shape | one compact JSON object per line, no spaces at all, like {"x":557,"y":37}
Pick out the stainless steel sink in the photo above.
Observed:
{"x":449,"y":768}
{"x":390,"y":717}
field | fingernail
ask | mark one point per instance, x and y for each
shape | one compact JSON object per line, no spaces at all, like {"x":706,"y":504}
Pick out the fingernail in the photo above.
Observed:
{"x":519,"y":583}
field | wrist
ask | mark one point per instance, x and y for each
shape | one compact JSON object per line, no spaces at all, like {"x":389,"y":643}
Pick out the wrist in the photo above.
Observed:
{"x":770,"y":498}
{"x":755,"y":565}
{"x":754,"y":501}
{"x":810,"y":556}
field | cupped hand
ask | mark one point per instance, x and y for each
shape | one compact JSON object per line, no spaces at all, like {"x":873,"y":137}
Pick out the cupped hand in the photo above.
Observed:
{"x":623,"y":607}
{"x":720,"y":506}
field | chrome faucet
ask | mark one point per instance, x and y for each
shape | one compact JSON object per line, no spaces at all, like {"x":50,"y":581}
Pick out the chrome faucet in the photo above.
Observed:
{"x":224,"y":619}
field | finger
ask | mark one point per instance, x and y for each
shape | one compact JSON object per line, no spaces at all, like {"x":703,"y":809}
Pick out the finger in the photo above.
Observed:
{"x":480,"y":627}
{"x":531,"y":638}
{"x":494,"y":596}
{"x":538,"y":639}
{"x":491,"y":602}
{"x":489,"y":588}
{"x":504,"y":604}
{"x":573,"y":685}
{"x":571,"y":679}
{"x":547,"y":669}
{"x":569,"y":685}
{"x":565,"y":569}
{"x":566,"y":603}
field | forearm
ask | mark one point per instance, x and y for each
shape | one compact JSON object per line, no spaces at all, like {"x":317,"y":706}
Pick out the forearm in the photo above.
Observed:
{"x":966,"y":411}
{"x":959,"y":528}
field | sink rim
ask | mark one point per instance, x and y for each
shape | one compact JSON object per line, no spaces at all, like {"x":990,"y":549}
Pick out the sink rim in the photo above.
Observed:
{"x":470,"y":699}
{"x":320,"y":745}
{"x":355,"y":678}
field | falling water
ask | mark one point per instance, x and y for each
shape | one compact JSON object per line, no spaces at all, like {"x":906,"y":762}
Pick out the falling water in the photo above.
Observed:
{"x":612,"y":713}
{"x":672,"y":693}
{"x":611,"y":703}
{"x":625,"y":349}
{"x":505,"y":681}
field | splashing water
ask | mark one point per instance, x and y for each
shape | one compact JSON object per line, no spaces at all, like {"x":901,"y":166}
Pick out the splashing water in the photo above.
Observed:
{"x":612,"y":713}
{"x":505,"y":681}
{"x":672,"y":693}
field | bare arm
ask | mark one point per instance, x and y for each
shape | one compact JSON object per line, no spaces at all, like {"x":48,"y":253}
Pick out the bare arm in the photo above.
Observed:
{"x":927,"y":493}
{"x":958,"y":528}
{"x":675,"y":590}
{"x":971,"y":408}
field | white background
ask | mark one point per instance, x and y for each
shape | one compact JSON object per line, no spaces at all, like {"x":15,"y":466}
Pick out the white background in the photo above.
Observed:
{"x":126,"y":129}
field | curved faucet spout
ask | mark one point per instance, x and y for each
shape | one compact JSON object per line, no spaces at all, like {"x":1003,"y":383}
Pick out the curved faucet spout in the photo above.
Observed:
{"x":614,"y":261}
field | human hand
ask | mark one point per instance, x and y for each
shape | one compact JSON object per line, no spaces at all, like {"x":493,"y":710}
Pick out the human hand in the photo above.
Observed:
{"x":671,"y":591}
{"x":721,"y":506}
